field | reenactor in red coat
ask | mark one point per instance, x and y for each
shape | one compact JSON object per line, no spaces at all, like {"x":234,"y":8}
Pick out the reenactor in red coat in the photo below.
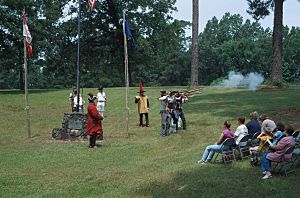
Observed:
{"x":94,"y":126}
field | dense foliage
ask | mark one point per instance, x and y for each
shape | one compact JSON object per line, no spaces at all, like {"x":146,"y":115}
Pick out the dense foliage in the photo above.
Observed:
{"x":162,"y":55}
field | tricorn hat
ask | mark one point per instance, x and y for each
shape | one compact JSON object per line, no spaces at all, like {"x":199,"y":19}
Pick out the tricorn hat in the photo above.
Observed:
{"x":91,"y":97}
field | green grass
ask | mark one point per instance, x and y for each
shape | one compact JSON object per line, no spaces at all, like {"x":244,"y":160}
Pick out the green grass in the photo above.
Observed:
{"x":143,"y":165}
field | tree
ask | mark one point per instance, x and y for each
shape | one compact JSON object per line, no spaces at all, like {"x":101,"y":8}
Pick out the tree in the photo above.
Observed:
{"x":195,"y":61}
{"x":231,"y":44}
{"x":259,"y":9}
{"x":161,"y":43}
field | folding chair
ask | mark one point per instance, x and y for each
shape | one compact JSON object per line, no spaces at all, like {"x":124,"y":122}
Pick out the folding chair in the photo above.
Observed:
{"x":296,"y":156}
{"x":254,"y":139}
{"x":285,"y":166}
{"x":295,"y":135}
{"x":226,"y":151}
{"x":256,"y":135}
{"x":243,"y":146}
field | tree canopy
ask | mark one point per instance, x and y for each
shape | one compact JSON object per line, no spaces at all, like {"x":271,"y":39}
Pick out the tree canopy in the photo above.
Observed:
{"x":162,"y":55}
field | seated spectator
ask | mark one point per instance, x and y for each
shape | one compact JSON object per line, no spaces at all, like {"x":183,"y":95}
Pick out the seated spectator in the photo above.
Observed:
{"x":241,"y":130}
{"x":253,"y":125}
{"x":279,"y":133}
{"x":279,"y":152}
{"x":261,"y":148}
{"x":210,"y":150}
{"x":267,"y":122}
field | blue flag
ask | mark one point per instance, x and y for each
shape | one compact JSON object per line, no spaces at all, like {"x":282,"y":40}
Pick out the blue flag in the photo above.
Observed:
{"x":129,"y":34}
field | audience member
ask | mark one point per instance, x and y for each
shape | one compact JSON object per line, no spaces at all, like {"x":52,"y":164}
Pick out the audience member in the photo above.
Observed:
{"x":210,"y":150}
{"x":279,"y":152}
{"x":241,"y":130}
{"x":267,"y":122}
{"x":262,"y":147}
{"x":253,"y":125}
{"x":279,"y":133}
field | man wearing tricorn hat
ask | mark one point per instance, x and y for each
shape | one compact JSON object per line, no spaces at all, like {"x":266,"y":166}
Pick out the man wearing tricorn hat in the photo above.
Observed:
{"x":94,"y":126}
{"x":143,"y":105}
{"x":172,"y":113}
{"x":165,"y":121}
{"x":180,"y":99}
{"x":101,"y":101}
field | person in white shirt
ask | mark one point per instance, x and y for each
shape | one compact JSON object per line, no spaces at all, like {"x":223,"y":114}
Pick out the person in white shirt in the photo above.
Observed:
{"x":267,"y":122}
{"x":81,"y":102}
{"x":101,"y":101}
{"x":71,"y":98}
{"x":241,"y":130}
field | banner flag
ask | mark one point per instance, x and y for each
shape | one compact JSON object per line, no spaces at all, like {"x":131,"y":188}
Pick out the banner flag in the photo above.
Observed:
{"x":28,"y":38}
{"x":92,"y":4}
{"x":129,"y":34}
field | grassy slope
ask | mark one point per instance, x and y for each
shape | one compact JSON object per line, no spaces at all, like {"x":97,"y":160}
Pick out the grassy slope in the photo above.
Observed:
{"x":144,"y":164}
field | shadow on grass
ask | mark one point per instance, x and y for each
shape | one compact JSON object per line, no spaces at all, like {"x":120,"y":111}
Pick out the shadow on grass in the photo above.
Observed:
{"x":220,"y":180}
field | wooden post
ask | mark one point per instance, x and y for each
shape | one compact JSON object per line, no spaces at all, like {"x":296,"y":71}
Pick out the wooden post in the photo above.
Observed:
{"x":126,"y":78}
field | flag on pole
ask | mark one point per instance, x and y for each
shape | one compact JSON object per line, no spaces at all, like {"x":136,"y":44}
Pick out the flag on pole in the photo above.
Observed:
{"x":129,"y":34}
{"x":92,"y":4}
{"x":28,"y":38}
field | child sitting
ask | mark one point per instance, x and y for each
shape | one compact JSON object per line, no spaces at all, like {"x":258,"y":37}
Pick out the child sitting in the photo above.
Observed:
{"x":263,"y":145}
{"x":279,"y":133}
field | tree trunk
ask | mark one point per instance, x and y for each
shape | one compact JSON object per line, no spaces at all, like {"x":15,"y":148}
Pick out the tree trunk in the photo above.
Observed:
{"x":194,"y":66}
{"x":277,"y":42}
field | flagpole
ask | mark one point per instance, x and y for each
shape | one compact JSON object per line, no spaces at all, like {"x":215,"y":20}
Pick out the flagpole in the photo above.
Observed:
{"x":126,"y":78}
{"x":26,"y":86}
{"x":78,"y":59}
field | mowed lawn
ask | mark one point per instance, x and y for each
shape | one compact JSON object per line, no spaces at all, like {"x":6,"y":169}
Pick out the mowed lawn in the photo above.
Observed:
{"x":145,"y":164}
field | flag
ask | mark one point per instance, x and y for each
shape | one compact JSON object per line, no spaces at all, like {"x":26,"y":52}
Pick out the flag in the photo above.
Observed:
{"x":141,"y":86}
{"x":129,"y":34}
{"x":92,"y":4}
{"x":28,"y":38}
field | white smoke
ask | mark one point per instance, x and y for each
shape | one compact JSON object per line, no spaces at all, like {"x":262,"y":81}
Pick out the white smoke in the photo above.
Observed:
{"x":236,"y":79}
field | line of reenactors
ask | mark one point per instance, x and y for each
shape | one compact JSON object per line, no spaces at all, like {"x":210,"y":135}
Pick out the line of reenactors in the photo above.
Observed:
{"x":171,"y":111}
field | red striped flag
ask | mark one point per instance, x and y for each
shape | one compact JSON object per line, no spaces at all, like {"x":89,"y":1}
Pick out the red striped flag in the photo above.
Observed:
{"x":28,"y":38}
{"x":92,"y":4}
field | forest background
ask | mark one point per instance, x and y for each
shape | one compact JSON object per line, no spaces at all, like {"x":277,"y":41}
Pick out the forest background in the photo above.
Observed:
{"x":161,"y":57}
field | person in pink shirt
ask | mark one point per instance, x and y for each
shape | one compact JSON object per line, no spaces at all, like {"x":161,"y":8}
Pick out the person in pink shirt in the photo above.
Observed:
{"x":210,"y":150}
{"x":279,"y":152}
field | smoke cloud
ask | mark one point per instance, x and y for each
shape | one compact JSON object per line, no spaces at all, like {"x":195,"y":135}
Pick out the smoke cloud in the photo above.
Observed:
{"x":236,"y":79}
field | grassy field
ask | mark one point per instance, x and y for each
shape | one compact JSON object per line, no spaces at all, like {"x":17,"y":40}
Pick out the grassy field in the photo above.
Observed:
{"x":145,"y":164}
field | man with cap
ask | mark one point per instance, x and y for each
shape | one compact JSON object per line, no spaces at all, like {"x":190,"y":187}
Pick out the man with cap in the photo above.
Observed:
{"x":94,"y":126}
{"x":172,"y":113}
{"x":163,"y":112}
{"x":143,"y":106}
{"x":101,"y":101}
{"x":81,"y":102}
{"x":180,"y":99}
{"x":71,"y":98}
